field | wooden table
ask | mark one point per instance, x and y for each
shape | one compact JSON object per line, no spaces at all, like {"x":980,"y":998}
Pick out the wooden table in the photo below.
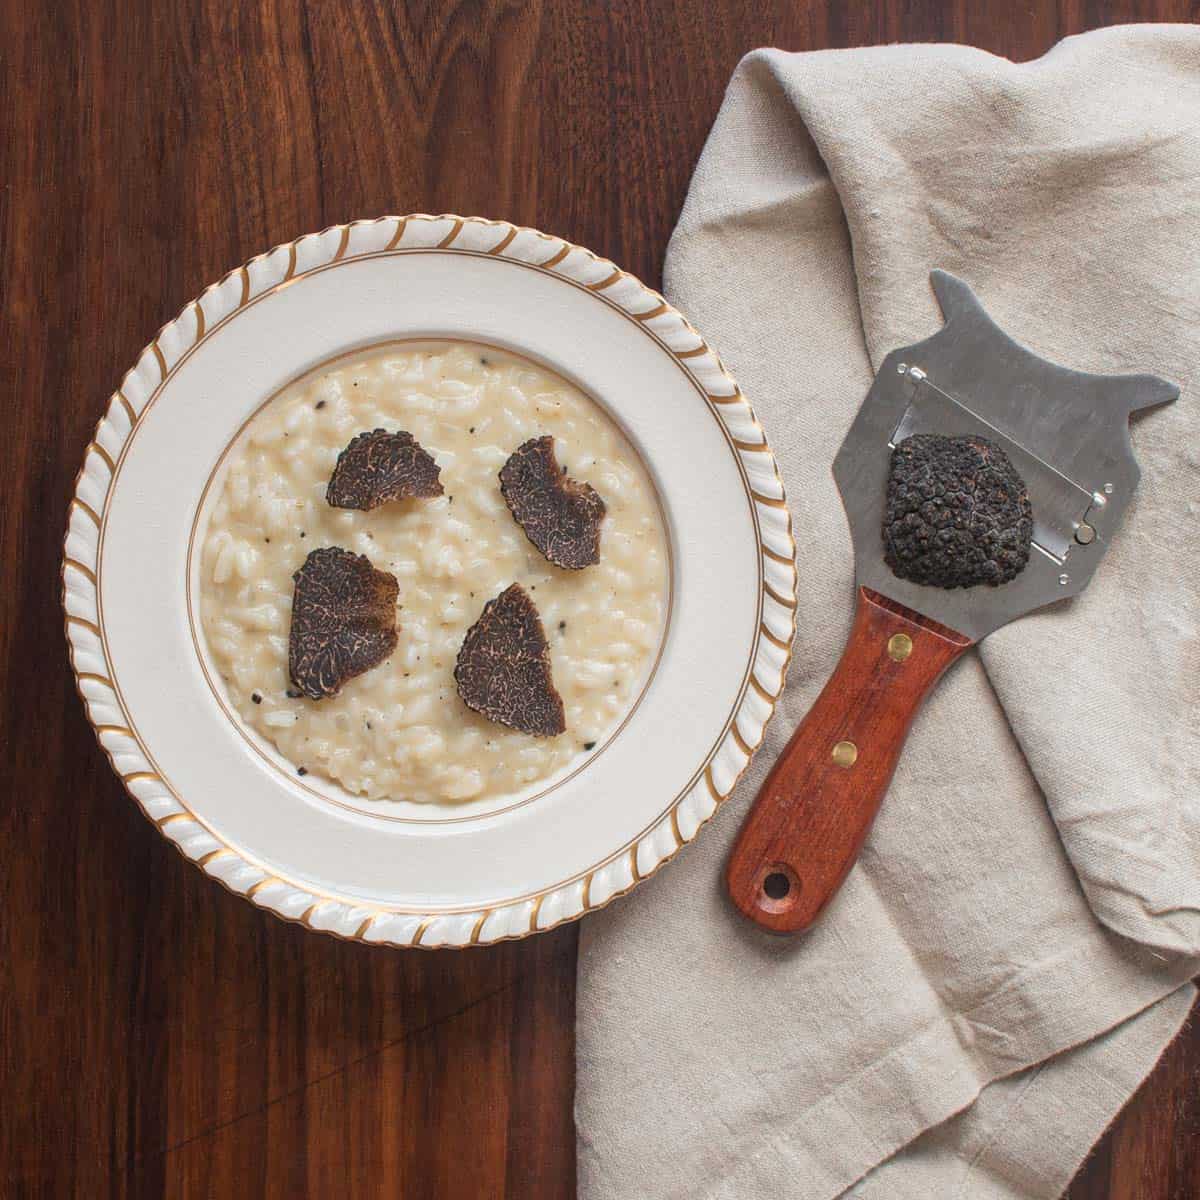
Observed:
{"x":158,"y":1036}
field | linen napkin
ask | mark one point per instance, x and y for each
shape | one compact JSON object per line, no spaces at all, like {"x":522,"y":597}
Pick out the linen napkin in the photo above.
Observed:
{"x":1011,"y":954}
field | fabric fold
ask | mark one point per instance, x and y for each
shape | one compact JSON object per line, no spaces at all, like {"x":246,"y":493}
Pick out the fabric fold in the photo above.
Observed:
{"x":1029,"y":899}
{"x":997,"y":1148}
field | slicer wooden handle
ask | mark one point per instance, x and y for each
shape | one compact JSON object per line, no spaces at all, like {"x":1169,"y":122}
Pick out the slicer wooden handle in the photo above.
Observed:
{"x":818,"y":803}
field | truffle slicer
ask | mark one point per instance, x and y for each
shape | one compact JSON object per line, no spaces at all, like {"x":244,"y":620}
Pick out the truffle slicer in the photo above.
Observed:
{"x":1067,"y":434}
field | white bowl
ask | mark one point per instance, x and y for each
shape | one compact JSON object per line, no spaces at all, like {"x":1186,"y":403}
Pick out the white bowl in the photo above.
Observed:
{"x":438,"y":875}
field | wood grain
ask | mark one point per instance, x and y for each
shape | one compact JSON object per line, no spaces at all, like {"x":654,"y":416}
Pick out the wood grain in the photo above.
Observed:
{"x":159,"y":1037}
{"x":815,"y":809}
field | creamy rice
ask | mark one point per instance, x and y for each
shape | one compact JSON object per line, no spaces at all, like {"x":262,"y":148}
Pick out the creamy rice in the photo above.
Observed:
{"x":400,"y":730}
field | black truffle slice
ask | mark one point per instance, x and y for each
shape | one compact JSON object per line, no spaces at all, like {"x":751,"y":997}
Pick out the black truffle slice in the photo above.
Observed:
{"x":957,"y":513}
{"x":560,"y":516}
{"x":379,"y":466}
{"x":343,"y":620}
{"x":503,"y":667}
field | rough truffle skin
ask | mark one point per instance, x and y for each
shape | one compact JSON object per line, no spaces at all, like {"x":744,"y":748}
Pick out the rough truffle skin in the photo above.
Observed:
{"x":503,"y":667}
{"x":560,"y":516}
{"x":379,"y":466}
{"x":957,"y":513}
{"x":343,"y":620}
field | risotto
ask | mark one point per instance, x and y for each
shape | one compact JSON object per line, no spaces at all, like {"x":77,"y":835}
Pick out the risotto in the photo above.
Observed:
{"x":400,"y":730}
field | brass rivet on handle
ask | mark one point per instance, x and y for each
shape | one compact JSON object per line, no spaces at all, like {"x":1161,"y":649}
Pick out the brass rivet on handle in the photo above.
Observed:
{"x":845,"y":754}
{"x":899,"y":646}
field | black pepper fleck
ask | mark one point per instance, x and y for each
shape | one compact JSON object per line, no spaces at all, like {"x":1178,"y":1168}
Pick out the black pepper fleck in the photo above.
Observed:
{"x":256,"y":697}
{"x":301,"y":770}
{"x":292,"y":694}
{"x":319,"y":404}
{"x":589,"y":745}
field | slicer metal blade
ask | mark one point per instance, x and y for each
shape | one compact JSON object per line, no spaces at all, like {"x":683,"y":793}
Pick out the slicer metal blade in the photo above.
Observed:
{"x":1067,"y":433}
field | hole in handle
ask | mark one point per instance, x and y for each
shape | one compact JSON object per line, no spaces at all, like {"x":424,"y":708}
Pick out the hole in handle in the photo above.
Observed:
{"x":778,"y":888}
{"x":777,"y":885}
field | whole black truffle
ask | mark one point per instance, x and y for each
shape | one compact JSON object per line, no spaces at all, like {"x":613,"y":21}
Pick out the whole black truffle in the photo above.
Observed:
{"x":503,"y":667}
{"x":343,"y":620}
{"x":957,"y":513}
{"x":560,"y":516}
{"x":379,"y":466}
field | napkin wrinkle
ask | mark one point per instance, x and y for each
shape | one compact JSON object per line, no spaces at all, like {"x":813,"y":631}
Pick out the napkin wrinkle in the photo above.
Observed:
{"x":977,"y":1064}
{"x":985,"y":1053}
{"x":973,"y":1154}
{"x":1028,"y":1081}
{"x":791,"y":177}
